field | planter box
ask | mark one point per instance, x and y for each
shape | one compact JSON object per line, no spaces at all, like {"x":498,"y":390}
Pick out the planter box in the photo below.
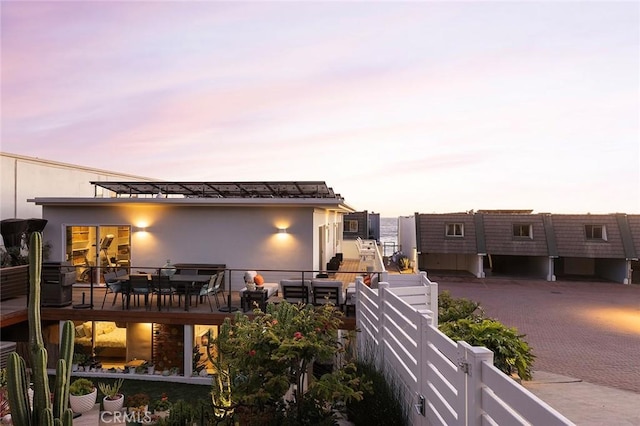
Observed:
{"x":14,"y":281}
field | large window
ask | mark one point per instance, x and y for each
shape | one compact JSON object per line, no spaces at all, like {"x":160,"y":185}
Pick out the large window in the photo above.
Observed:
{"x":102,"y":247}
{"x":455,"y":230}
{"x":351,"y":226}
{"x":523,"y":231}
{"x":596,"y":232}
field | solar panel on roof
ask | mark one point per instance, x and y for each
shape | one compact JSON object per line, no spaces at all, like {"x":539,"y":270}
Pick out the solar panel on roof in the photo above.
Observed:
{"x":223,"y":189}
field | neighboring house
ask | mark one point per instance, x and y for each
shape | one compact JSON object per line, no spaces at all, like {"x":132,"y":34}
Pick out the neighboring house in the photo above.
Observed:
{"x":251,"y":225}
{"x":519,"y":243}
{"x":23,"y":177}
{"x":362,"y":225}
{"x":449,"y":242}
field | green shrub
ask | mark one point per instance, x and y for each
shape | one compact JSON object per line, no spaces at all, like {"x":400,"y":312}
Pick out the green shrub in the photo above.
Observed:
{"x":452,"y":309}
{"x":510,"y":353}
{"x":261,"y":358}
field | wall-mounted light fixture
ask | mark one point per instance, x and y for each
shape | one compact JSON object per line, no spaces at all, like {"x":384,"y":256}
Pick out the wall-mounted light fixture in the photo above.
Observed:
{"x":282,"y":230}
{"x":140,"y":229}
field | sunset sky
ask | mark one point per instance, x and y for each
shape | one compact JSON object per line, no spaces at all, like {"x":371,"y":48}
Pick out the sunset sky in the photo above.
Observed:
{"x":400,"y":107}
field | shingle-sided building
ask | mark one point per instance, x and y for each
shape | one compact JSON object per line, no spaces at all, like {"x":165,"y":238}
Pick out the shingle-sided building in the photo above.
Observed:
{"x":519,"y":243}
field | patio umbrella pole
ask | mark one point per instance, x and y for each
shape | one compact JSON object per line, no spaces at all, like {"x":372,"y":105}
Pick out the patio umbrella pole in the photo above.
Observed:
{"x":228,"y":308}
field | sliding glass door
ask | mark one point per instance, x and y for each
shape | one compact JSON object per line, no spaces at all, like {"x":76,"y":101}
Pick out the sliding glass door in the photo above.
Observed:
{"x":100,"y":248}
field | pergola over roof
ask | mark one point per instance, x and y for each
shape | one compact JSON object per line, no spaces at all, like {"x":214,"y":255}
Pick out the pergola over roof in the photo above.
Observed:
{"x":284,"y":189}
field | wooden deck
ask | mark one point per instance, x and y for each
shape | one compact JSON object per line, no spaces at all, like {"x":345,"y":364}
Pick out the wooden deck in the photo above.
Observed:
{"x":14,"y":310}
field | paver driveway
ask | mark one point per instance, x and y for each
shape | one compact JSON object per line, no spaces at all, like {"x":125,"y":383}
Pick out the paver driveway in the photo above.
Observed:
{"x":586,"y":330}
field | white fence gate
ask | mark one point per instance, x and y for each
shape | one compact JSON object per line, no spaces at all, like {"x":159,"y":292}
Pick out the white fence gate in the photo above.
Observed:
{"x":444,"y":382}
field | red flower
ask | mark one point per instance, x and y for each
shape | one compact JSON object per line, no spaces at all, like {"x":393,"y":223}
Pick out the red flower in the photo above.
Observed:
{"x":252,"y":352}
{"x":297,"y":335}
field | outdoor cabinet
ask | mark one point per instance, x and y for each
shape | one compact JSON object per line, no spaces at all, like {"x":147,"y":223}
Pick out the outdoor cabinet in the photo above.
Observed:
{"x":57,"y":284}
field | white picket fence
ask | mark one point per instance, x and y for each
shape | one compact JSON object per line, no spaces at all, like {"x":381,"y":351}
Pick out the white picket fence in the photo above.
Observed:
{"x":444,"y":382}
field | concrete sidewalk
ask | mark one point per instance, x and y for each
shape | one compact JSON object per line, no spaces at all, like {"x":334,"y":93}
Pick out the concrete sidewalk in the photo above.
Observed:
{"x":585,"y":403}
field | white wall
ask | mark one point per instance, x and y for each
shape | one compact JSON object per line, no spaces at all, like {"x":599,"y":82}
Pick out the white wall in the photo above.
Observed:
{"x":332,"y":237}
{"x":450,"y":261}
{"x":240,"y":237}
{"x":23,"y":177}
{"x":407,"y":234}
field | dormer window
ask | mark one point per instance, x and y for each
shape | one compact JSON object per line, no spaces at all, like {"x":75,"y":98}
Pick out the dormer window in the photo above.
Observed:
{"x":455,"y":230}
{"x":523,"y":231}
{"x":596,"y":232}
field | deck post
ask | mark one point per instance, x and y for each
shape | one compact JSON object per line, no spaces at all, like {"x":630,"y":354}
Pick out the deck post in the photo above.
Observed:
{"x":188,"y":350}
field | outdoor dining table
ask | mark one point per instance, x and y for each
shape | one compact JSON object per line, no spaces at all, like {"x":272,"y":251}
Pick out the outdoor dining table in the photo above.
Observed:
{"x":186,"y":282}
{"x":183,"y":282}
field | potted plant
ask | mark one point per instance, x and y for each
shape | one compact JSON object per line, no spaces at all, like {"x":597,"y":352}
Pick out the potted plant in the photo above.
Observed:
{"x":82,"y":395}
{"x":138,"y":402}
{"x":78,"y":361}
{"x":162,"y":406}
{"x":113,"y":399}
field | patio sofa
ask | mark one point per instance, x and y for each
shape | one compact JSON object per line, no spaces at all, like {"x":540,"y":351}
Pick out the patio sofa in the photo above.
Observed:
{"x":295,"y":291}
{"x":327,"y":291}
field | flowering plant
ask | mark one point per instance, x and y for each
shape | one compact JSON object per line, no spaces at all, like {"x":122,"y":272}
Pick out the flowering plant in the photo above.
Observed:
{"x":260,"y":358}
{"x":163,"y":403}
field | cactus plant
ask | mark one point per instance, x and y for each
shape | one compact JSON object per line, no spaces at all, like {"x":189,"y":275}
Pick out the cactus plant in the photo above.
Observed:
{"x":42,"y":412}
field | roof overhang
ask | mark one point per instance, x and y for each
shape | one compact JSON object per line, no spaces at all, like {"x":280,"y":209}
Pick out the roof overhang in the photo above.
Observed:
{"x":312,"y":194}
{"x":320,"y":203}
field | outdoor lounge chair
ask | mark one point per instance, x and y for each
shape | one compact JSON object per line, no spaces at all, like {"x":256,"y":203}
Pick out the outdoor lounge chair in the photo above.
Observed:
{"x":327,"y":291}
{"x":295,"y":291}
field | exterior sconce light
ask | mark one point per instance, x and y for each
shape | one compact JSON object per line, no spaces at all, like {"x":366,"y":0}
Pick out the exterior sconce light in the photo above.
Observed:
{"x":140,"y":229}
{"x":282,"y":230}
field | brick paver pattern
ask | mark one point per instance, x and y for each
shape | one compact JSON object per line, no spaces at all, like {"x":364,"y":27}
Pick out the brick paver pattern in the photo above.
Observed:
{"x":586,"y":330}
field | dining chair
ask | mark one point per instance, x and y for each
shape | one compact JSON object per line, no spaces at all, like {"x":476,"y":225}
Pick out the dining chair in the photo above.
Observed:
{"x":212,"y":288}
{"x":161,"y":288}
{"x":139,"y":285}
{"x":182,"y":289}
{"x":113,"y":286}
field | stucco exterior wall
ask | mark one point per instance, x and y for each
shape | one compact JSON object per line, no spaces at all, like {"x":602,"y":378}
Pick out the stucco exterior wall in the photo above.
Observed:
{"x":22,"y":178}
{"x":240,"y":237}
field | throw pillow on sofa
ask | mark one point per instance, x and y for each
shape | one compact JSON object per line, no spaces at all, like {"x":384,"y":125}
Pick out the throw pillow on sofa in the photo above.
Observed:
{"x":259,"y":280}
